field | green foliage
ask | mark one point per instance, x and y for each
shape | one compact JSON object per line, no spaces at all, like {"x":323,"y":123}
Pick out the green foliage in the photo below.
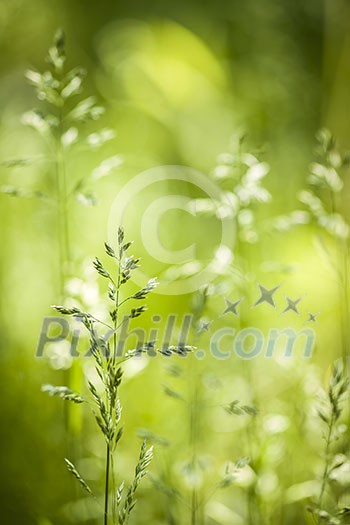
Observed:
{"x":108,"y":365}
{"x":235,"y":408}
{"x":59,"y":120}
{"x":107,"y":408}
{"x":322,"y":198}
{"x":126,"y":507}
{"x":63,"y":392}
{"x":330,"y":413}
{"x":231,"y":471}
{"x":176,"y":92}
{"x":71,"y":468}
{"x":240,"y":175}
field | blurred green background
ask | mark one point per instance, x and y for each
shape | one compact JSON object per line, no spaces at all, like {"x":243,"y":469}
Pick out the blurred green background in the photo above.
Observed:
{"x":178,"y":80}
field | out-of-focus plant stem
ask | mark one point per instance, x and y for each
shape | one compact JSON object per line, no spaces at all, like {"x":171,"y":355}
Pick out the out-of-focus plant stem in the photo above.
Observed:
{"x":62,"y":208}
{"x":326,"y":467}
{"x":72,"y":375}
{"x":114,"y":358}
{"x":343,"y":283}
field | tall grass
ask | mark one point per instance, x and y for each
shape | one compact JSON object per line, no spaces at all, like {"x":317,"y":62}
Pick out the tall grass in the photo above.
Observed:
{"x":59,"y":121}
{"x":108,"y":353}
{"x":240,"y":175}
{"x":330,"y":413}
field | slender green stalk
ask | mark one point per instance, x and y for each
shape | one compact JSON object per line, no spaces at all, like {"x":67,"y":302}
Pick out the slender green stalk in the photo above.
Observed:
{"x":327,"y":464}
{"x":62,"y":207}
{"x":330,"y":414}
{"x":108,"y":460}
{"x":63,"y":241}
{"x":114,"y":359}
{"x":252,"y":498}
{"x":62,"y":258}
{"x":107,"y":408}
{"x":194,"y":401}
{"x":193,"y":442}
{"x":343,"y":294}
